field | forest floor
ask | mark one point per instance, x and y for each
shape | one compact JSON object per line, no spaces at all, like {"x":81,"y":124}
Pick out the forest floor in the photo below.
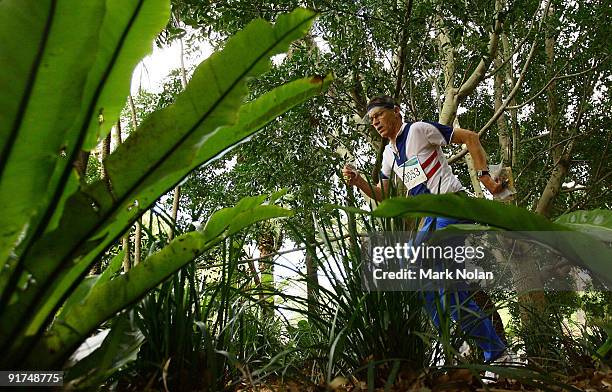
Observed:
{"x":589,"y":380}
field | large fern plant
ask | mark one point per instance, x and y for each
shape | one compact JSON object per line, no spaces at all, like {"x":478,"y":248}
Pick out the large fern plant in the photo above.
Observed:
{"x":65,"y":69}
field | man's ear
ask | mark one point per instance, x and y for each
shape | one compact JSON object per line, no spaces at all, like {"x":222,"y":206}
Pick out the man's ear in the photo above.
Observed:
{"x":396,"y":110}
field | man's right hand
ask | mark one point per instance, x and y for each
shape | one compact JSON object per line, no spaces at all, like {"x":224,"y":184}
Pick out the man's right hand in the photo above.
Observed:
{"x":350,"y":174}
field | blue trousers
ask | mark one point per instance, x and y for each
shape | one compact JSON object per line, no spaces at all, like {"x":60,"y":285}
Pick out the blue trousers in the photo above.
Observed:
{"x":463,"y":309}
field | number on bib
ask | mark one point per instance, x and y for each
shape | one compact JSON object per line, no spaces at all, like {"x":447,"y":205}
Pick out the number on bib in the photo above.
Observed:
{"x":411,"y":172}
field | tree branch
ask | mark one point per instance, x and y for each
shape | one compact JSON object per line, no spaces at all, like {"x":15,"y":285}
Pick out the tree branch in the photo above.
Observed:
{"x":583,"y":199}
{"x":504,"y":104}
{"x":515,"y":89}
{"x":516,"y":48}
{"x":402,"y":53}
{"x":555,"y":78}
{"x":479,"y":73}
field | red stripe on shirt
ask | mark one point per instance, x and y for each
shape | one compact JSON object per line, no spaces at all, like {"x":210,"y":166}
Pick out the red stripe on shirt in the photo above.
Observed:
{"x":430,"y":159}
{"x":434,"y":170}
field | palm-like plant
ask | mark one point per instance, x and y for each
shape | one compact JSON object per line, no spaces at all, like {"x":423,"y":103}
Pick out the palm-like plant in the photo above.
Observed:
{"x":63,"y":84}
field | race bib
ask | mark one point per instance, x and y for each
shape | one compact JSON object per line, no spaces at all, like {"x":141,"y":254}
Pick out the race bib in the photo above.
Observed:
{"x":411,"y":173}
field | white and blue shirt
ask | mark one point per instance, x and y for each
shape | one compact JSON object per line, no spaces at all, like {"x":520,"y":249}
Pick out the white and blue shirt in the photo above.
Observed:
{"x":422,"y":140}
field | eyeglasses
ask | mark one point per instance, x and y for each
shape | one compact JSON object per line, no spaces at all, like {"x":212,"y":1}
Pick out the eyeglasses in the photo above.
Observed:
{"x":373,"y":117}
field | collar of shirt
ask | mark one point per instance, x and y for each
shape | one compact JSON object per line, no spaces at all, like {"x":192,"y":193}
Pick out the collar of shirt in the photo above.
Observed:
{"x":392,"y":144}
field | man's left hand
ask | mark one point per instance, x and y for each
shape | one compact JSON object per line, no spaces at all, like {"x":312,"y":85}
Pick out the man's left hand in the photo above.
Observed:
{"x":494,"y":186}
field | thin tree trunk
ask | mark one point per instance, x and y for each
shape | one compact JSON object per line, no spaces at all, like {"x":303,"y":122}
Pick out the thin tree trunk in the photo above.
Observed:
{"x":533,"y":303}
{"x":560,"y":151}
{"x":175,"y":208}
{"x":177,"y":191}
{"x":312,"y":278}
{"x":552,"y":188}
{"x":125,"y":241}
{"x":471,"y":168}
{"x":451,"y":102}
{"x":268,"y":244}
{"x":474,"y":176}
{"x":312,"y":282}
{"x":505,"y":144}
{"x":454,"y":95}
{"x":377,"y":142}
{"x":138,"y":231}
{"x":510,"y":81}
{"x":138,"y":242}
{"x":379,"y":157}
{"x":401,"y":53}
{"x":104,"y":153}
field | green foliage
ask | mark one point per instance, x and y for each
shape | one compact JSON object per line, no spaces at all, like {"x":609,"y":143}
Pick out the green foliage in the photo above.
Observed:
{"x":595,"y":222}
{"x":584,"y":249}
{"x":66,"y":333}
{"x":46,"y":128}
{"x":360,"y":41}
{"x":348,"y":326}
{"x":56,"y":228}
{"x":205,"y":317}
{"x":119,"y":347}
{"x":168,"y":317}
{"x":86,"y":286}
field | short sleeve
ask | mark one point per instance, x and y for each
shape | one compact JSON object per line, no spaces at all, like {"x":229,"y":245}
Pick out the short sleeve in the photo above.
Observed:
{"x":435,"y":133}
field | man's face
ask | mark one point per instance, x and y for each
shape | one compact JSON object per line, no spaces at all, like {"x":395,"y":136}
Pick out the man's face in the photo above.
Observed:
{"x":386,"y":121}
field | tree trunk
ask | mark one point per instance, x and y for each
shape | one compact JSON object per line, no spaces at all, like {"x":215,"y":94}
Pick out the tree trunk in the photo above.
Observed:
{"x":267,"y":243}
{"x":505,"y":144}
{"x":379,"y":157}
{"x":400,"y":60}
{"x":451,"y":103}
{"x":553,"y":186}
{"x":454,"y":95}
{"x":510,"y":81}
{"x":175,"y":208}
{"x":474,"y":176}
{"x":138,"y":231}
{"x":104,"y":153}
{"x":312,"y":278}
{"x":125,"y":241}
{"x":312,"y":282}
{"x":177,"y":191}
{"x":471,"y":168}
{"x":138,"y":242}
{"x":561,"y":165}
{"x":532,"y":302}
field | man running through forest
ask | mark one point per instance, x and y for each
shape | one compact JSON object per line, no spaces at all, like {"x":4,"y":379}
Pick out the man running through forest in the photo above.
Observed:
{"x":415,"y":148}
